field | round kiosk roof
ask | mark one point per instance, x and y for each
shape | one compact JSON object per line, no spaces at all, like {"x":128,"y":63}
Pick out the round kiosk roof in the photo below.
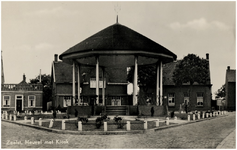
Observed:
{"x":117,"y":45}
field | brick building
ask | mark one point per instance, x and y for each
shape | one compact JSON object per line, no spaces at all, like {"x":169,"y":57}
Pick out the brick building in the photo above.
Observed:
{"x":115,"y":85}
{"x":230,"y":89}
{"x":198,"y":95}
{"x":22,"y":96}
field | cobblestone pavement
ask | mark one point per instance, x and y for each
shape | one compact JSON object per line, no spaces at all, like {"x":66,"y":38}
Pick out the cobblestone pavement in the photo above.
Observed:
{"x":201,"y":135}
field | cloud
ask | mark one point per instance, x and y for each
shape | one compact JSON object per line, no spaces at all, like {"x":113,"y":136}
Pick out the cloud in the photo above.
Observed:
{"x":34,"y":49}
{"x":199,"y":24}
{"x":57,"y":11}
{"x":43,"y":46}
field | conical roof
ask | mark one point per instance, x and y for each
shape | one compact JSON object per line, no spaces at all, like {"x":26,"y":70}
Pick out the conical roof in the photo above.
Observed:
{"x":120,"y":40}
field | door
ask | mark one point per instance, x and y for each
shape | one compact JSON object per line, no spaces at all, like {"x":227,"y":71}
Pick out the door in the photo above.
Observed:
{"x":19,"y":105}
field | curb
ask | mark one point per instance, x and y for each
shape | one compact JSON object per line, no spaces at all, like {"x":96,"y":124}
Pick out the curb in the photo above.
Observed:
{"x":78,"y":132}
{"x":224,"y":143}
{"x":181,"y":124}
{"x":108,"y":132}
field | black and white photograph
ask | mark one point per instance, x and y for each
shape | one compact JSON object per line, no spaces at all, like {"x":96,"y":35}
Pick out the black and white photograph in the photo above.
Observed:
{"x":118,"y":74}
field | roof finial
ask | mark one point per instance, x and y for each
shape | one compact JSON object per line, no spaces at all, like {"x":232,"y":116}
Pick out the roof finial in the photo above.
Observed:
{"x":117,"y":8}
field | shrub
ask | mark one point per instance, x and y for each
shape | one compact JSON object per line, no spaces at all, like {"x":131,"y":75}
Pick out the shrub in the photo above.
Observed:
{"x":119,"y":122}
{"x":182,"y":116}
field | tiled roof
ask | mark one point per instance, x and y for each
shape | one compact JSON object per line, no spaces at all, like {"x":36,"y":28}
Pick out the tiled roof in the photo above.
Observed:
{"x":118,"y":37}
{"x":63,"y":73}
{"x":230,"y":76}
{"x":23,"y":82}
{"x":168,"y":70}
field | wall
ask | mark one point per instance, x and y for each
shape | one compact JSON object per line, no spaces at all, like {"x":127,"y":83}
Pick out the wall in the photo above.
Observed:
{"x":116,"y":89}
{"x":25,"y":94}
{"x":82,"y":110}
{"x":133,"y":111}
{"x":231,"y":96}
{"x":12,"y":101}
{"x":179,"y":96}
{"x":85,"y":110}
{"x":146,"y":110}
{"x":65,"y":89}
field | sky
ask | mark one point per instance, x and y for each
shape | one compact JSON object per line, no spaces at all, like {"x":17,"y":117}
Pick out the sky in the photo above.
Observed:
{"x":32,"y":32}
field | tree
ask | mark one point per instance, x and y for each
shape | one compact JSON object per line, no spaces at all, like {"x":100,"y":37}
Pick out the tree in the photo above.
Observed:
{"x":191,"y":69}
{"x":220,"y":92}
{"x":146,"y":76}
{"x":47,"y":89}
{"x":45,"y":80}
{"x":146,"y":80}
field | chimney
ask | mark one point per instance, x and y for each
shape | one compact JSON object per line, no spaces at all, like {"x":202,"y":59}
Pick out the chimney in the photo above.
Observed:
{"x":207,"y":56}
{"x":56,"y":57}
{"x":24,"y":77}
{"x":40,"y":76}
{"x":228,"y":68}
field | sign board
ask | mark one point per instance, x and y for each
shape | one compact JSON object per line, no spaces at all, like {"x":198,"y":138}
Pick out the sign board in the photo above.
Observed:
{"x":130,"y":89}
{"x":93,"y":83}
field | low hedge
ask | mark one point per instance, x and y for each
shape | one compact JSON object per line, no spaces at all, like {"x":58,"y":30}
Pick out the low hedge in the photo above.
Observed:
{"x":44,"y":116}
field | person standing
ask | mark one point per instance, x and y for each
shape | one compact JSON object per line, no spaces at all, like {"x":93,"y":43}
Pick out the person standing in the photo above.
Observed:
{"x":76,"y":113}
{"x":152,"y":111}
{"x":54,"y":114}
{"x":186,"y":107}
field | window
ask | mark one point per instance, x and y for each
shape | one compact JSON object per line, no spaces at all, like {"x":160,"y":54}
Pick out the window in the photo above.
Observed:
{"x":186,"y":97}
{"x":93,"y":83}
{"x":31,"y":101}
{"x":19,"y":97}
{"x":199,"y":99}
{"x":66,"y":101}
{"x":171,"y":100}
{"x":84,"y":101}
{"x":116,"y":101}
{"x":6,"y":101}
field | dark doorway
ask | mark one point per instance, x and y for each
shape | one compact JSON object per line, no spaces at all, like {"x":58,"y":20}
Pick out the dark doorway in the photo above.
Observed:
{"x":130,"y":100}
{"x":19,"y":105}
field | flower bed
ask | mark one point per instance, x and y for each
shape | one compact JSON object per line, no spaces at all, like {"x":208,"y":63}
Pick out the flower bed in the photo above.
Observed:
{"x":42,"y":116}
